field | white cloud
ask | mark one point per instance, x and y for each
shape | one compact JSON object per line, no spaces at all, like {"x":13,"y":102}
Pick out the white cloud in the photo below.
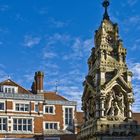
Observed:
{"x":4,"y":8}
{"x":72,"y":93}
{"x":136,"y":44}
{"x":136,"y":104}
{"x":43,"y":11}
{"x":134,"y":19}
{"x":30,"y":41}
{"x":57,"y":38}
{"x":49,"y":55}
{"x":135,"y":68}
{"x":57,"y":24}
{"x":71,"y":77}
{"x":29,"y":77}
{"x":80,"y":49}
{"x":132,"y":2}
{"x":3,"y":75}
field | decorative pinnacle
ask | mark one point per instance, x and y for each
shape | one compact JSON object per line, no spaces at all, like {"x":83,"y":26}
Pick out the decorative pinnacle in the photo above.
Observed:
{"x":105,"y":5}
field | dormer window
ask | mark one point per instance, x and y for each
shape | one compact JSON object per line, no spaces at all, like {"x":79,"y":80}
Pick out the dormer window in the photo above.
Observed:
{"x":9,"y":89}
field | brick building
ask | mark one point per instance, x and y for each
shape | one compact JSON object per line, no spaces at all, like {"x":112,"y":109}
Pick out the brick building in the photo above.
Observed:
{"x":35,"y":114}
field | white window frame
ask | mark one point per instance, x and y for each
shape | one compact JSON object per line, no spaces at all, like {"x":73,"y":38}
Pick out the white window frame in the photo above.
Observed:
{"x":36,"y":104}
{"x":21,"y":102}
{"x":22,"y":131}
{"x":24,"y":107}
{"x":44,"y":110}
{"x":58,"y":125}
{"x":52,"y":138}
{"x":4,"y":87}
{"x":6,"y":124}
{"x":73,"y":115}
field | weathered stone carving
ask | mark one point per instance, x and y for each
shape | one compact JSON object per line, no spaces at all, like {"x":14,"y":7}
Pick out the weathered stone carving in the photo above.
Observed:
{"x":115,"y":104}
{"x":107,"y":98}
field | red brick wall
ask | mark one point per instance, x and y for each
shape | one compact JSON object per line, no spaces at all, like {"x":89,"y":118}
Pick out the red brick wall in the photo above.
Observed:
{"x":9,"y":105}
{"x":58,"y":117}
{"x":38,"y":123}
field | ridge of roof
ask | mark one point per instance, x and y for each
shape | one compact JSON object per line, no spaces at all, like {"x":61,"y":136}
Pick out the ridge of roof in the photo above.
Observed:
{"x":50,"y":95}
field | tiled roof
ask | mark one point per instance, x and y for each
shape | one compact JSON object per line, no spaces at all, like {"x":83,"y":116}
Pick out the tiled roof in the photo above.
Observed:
{"x":53,"y":96}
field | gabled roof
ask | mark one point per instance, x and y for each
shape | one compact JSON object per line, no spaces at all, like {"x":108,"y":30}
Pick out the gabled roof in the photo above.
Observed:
{"x":54,"y":96}
{"x":10,"y":82}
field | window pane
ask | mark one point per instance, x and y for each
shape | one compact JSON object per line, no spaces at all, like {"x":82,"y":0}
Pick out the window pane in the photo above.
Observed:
{"x":5,"y":90}
{"x":19,"y":121}
{"x":9,"y":90}
{"x":30,"y":128}
{"x":66,"y":121}
{"x":4,"y":120}
{"x":51,"y":126}
{"x":15,"y":127}
{"x":17,"y":107}
{"x":19,"y":127}
{"x":13,"y":90}
{"x":46,"y":110}
{"x":29,"y":121}
{"x":24,"y":121}
{"x":66,"y":110}
{"x":36,"y":108}
{"x":70,"y":110}
{"x":25,"y":127}
{"x":55,"y":125}
{"x":15,"y":121}
{"x":47,"y":126}
{"x":26,"y":107}
{"x":4,"y":127}
{"x":51,"y":109}
{"x":22,"y":107}
{"x":1,"y":106}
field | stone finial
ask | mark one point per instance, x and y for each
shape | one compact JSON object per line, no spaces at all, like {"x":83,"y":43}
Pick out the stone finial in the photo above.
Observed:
{"x":105,"y":5}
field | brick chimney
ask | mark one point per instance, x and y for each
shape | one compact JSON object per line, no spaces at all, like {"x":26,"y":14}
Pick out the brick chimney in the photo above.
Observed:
{"x":37,"y":86}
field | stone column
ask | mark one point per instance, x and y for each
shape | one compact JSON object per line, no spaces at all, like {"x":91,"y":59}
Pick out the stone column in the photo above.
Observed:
{"x":129,"y":109}
{"x":102,"y":107}
{"x":97,"y":109}
{"x":102,"y":76}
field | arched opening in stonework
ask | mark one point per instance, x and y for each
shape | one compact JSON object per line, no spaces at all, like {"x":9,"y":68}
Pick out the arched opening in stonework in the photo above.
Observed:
{"x":120,"y":100}
{"x":104,"y":54}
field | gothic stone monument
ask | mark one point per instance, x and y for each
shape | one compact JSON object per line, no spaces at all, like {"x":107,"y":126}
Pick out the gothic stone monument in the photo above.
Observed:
{"x":108,"y":96}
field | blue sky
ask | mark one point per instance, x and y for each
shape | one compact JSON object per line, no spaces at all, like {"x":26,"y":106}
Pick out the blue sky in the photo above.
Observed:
{"x":56,"y":36}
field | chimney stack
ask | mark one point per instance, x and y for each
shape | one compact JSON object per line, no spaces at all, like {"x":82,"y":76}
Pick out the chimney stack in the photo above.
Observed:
{"x":37,"y":86}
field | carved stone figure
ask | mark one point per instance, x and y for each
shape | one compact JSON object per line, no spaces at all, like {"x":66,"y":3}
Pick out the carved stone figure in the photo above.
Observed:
{"x":91,"y":107}
{"x":109,"y":101}
{"x":120,"y":101}
{"x":117,"y":111}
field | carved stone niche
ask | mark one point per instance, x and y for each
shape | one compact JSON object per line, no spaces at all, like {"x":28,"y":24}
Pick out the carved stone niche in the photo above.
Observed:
{"x":91,"y":107}
{"x":89,"y":79}
{"x":115,"y":104}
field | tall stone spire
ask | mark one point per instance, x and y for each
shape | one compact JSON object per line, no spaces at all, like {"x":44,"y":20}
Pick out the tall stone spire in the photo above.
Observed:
{"x":108,"y":95}
{"x":105,"y":5}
